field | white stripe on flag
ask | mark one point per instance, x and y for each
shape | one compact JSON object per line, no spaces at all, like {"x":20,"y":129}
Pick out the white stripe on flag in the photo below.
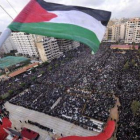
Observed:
{"x":80,"y":19}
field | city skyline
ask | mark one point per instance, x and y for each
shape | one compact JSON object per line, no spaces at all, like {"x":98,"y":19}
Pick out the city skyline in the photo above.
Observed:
{"x":118,"y":8}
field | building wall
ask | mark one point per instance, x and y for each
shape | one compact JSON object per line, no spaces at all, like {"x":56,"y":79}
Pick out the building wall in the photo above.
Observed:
{"x":25,"y":44}
{"x":133,"y":31}
{"x":40,"y":47}
{"x":51,"y":48}
{"x":122,"y":31}
{"x":66,"y":45}
{"x":109,"y":35}
{"x":115,"y":33}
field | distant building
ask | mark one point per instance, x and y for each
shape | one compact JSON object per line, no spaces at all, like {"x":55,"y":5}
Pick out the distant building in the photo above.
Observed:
{"x":66,"y":45}
{"x":25,"y":44}
{"x":133,"y":31}
{"x":50,"y":48}
{"x":109,"y":35}
{"x":122,"y":31}
{"x":75,"y":44}
{"x":115,"y":33}
{"x":124,"y":47}
{"x":9,"y":45}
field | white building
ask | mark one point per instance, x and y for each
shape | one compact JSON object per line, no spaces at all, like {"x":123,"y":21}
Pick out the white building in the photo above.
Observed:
{"x":8,"y":45}
{"x":133,"y":31}
{"x":25,"y":44}
{"x":48,"y":48}
{"x":122,"y":31}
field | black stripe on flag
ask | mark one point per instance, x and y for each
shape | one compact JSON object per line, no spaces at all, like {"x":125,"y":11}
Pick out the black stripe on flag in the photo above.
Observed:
{"x":100,"y":15}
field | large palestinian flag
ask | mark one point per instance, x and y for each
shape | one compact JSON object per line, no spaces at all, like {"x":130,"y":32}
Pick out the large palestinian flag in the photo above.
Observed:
{"x":68,"y":22}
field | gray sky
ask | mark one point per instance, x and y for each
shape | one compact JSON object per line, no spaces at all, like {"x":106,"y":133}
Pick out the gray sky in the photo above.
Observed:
{"x":119,"y":8}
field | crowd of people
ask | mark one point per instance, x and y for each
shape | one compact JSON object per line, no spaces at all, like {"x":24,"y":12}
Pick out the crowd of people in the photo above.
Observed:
{"x":3,"y":113}
{"x":49,"y":82}
{"x":40,"y":126}
{"x":79,"y":87}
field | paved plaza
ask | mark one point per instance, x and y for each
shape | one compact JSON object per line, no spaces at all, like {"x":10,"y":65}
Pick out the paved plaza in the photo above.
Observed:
{"x":60,"y":126}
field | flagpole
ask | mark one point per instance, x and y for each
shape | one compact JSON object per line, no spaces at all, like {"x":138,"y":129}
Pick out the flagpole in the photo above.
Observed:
{"x":5,"y":34}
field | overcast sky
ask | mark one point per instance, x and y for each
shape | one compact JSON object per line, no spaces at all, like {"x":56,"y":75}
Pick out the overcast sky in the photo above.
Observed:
{"x":119,"y":8}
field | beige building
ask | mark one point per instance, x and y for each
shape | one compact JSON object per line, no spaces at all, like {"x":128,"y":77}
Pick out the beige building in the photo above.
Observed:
{"x":109,"y":35}
{"x":50,"y":48}
{"x":115,"y":33}
{"x":133,"y":31}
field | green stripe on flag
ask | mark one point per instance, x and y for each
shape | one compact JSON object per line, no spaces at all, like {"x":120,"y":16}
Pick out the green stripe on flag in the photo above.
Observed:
{"x":59,"y":30}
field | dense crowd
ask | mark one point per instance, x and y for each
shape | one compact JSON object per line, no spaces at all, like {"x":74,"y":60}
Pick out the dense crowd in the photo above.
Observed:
{"x":79,"y":87}
{"x":40,"y":126}
{"x":56,"y":81}
{"x":3,"y":113}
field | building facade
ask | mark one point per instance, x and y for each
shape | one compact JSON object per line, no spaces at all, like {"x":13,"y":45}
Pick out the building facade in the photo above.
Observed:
{"x":133,"y":31}
{"x":115,"y":33}
{"x":109,"y":35}
{"x":25,"y":44}
{"x":66,"y":45}
{"x":48,"y":48}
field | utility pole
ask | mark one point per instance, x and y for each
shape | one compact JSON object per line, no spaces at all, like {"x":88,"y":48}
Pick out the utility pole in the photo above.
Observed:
{"x":11,"y":6}
{"x":6,"y":12}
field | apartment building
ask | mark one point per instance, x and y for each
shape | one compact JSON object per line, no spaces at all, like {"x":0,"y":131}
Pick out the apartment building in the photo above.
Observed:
{"x":66,"y":45}
{"x":133,"y":31}
{"x":25,"y":44}
{"x":48,"y":48}
{"x":115,"y":33}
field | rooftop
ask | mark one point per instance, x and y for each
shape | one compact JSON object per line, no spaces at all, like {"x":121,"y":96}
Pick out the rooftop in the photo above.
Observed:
{"x":10,"y":61}
{"x":124,"y":47}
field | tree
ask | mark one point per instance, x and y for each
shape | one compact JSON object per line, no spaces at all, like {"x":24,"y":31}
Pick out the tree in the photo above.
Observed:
{"x":56,"y":65}
{"x":135,"y":107}
{"x":133,"y":62}
{"x":10,"y":91}
{"x":126,"y":66}
{"x":45,"y":63}
{"x":33,"y":78}
{"x":22,"y":84}
{"x":49,"y":68}
{"x":33,"y":70}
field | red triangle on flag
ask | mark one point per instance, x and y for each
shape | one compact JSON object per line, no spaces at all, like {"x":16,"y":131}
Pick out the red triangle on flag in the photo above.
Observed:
{"x":33,"y":12}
